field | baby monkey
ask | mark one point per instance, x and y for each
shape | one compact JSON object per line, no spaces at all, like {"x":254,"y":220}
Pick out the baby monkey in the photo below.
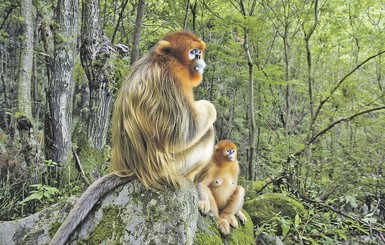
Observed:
{"x":219,"y":190}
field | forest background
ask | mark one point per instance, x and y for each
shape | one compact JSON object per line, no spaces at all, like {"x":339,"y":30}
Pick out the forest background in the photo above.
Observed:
{"x":298,"y":86}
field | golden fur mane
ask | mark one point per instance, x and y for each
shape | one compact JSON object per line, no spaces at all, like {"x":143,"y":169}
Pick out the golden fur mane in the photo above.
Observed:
{"x":152,"y":120}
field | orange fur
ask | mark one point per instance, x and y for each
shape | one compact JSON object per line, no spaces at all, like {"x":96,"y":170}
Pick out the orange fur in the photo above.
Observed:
{"x":219,"y":190}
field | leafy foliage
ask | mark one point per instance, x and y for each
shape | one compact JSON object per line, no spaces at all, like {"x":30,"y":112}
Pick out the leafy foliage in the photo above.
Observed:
{"x":308,"y":86}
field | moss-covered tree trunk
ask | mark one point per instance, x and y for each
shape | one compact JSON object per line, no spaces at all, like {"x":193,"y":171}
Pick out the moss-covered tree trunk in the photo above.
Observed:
{"x":29,"y":147}
{"x":97,"y":54}
{"x":62,"y":53}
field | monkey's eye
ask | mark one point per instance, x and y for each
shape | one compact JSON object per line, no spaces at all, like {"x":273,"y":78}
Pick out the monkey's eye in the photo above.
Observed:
{"x":230,"y":151}
{"x":194,"y":54}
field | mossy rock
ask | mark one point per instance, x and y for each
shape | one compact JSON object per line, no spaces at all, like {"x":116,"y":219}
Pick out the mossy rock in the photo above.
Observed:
{"x":207,"y":232}
{"x":265,"y":207}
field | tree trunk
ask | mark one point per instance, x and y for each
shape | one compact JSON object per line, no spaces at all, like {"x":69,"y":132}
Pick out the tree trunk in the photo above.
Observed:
{"x":251,"y":92}
{"x":95,"y":54}
{"x":138,"y":29}
{"x":24,"y":102}
{"x":97,"y":74}
{"x":60,"y":82}
{"x":26,"y":61}
{"x":251,"y":107}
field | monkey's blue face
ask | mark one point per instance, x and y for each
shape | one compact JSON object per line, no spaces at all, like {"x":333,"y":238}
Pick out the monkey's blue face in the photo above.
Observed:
{"x":196,"y":56}
{"x":231,"y":154}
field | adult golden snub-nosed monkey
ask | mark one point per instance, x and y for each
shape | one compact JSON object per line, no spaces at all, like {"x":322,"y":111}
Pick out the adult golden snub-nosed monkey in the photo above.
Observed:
{"x":160,"y":134}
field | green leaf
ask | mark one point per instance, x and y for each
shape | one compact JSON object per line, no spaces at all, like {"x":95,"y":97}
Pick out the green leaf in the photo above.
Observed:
{"x":297,"y":220}
{"x":33,"y":196}
{"x":285,"y":226}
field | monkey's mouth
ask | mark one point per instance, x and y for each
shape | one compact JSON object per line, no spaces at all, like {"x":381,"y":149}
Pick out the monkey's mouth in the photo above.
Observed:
{"x":200,"y":66}
{"x":231,"y":158}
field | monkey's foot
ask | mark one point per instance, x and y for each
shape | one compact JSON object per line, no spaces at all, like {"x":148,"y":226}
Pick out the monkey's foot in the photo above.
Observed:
{"x":230,"y":219}
{"x":203,"y":206}
{"x":241,"y":217}
{"x":223,"y":226}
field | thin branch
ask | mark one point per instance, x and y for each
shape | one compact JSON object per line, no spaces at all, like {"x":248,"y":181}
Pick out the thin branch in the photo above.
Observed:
{"x":341,"y":81}
{"x":123,"y":6}
{"x":79,"y":166}
{"x":186,"y":15}
{"x":331,"y":125}
{"x":212,"y":12}
{"x":8,"y":13}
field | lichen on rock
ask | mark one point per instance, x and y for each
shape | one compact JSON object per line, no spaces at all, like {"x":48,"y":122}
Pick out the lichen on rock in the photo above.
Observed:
{"x":131,"y":214}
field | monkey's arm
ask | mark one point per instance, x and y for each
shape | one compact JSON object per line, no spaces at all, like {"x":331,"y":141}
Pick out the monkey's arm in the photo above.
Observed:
{"x":206,"y":200}
{"x":86,"y":202}
{"x":205,"y":116}
{"x":203,"y":195}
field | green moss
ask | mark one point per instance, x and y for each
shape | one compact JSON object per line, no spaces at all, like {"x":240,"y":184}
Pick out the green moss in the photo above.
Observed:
{"x":243,"y":235}
{"x":208,"y":233}
{"x":265,"y":207}
{"x":53,"y":228}
{"x":111,"y":226}
{"x":258,"y":184}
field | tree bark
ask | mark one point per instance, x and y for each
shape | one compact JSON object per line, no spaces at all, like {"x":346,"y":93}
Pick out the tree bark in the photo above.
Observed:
{"x":138,"y":29}
{"x":29,"y":146}
{"x":26,"y":60}
{"x":95,"y":53}
{"x":60,"y":83}
{"x":95,"y":46}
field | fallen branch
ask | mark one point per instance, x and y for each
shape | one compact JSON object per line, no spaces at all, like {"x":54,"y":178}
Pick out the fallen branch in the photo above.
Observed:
{"x":379,"y":231}
{"x":273,"y":181}
{"x":79,"y":166}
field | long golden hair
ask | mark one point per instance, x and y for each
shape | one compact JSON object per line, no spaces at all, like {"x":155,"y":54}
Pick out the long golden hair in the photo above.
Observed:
{"x":152,"y":121}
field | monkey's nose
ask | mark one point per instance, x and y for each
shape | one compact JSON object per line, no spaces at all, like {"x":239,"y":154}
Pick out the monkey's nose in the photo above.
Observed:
{"x":200,"y":66}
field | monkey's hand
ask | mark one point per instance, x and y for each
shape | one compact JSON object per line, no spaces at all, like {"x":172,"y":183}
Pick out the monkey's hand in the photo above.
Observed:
{"x":203,"y":206}
{"x":241,"y":217}
{"x":223,"y":226}
{"x":230,"y":219}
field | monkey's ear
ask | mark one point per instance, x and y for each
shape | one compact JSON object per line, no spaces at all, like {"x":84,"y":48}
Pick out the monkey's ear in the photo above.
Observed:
{"x":163,"y":47}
